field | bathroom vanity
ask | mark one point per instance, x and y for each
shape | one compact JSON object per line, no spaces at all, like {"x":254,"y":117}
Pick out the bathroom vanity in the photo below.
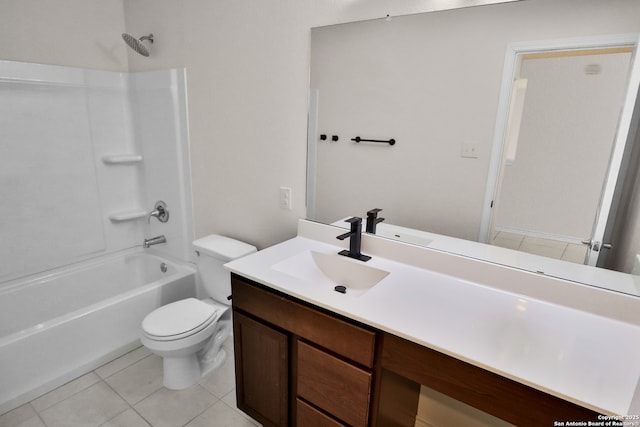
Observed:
{"x":308,"y":355}
{"x":294,"y":358}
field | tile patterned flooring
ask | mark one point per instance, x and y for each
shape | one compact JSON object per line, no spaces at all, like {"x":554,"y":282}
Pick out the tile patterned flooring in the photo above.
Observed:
{"x":539,"y":246}
{"x":128,"y":392}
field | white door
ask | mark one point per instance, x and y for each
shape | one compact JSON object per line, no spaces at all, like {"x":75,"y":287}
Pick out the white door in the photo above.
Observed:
{"x":595,"y":242}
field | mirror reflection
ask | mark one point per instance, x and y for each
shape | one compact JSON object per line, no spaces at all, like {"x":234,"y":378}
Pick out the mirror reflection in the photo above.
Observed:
{"x":561,"y":127}
{"x":494,"y":152}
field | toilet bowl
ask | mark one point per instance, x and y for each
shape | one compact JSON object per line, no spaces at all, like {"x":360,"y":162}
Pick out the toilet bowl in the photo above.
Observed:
{"x":188,"y":334}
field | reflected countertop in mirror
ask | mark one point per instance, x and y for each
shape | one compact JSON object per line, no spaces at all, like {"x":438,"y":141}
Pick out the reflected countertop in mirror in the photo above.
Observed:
{"x":617,"y":281}
{"x":434,"y":83}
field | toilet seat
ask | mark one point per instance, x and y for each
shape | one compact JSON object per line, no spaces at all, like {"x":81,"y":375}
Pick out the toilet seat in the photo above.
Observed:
{"x":179,"y":320}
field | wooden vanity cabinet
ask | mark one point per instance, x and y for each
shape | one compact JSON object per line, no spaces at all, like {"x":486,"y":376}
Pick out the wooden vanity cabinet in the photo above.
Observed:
{"x":297,"y":364}
{"x":262,"y":383}
{"x":406,"y":365}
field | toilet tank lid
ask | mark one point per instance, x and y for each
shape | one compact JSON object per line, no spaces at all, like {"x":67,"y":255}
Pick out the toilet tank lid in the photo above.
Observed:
{"x":223,"y":247}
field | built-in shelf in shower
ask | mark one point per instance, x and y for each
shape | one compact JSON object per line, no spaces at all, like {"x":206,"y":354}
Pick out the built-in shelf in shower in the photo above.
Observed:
{"x":121,"y":159}
{"x":127,"y":215}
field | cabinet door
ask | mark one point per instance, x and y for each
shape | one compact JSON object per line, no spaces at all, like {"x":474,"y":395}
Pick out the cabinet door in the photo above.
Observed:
{"x":261,"y":357}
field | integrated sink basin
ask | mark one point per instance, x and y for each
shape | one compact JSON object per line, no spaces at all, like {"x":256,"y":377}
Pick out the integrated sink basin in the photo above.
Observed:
{"x":333,"y":271}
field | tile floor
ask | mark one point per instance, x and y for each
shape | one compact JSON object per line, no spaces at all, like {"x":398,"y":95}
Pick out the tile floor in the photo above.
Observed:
{"x":128,"y":392}
{"x":539,"y":246}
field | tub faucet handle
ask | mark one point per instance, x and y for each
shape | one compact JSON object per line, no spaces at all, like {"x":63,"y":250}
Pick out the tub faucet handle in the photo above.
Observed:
{"x":159,"y":211}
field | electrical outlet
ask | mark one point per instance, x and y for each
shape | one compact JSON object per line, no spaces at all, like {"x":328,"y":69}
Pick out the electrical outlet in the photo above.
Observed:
{"x":285,"y":198}
{"x":470,"y":150}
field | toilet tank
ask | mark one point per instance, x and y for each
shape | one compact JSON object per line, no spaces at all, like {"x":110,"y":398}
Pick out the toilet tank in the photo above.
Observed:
{"x":212,"y":253}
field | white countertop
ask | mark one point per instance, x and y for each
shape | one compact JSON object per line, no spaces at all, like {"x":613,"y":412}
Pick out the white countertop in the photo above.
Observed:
{"x":583,"y":357}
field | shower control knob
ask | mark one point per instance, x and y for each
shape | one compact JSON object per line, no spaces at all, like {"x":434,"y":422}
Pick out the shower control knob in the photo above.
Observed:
{"x":159,"y":211}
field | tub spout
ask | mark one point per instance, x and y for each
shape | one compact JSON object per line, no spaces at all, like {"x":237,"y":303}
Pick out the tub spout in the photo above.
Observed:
{"x":154,"y":241}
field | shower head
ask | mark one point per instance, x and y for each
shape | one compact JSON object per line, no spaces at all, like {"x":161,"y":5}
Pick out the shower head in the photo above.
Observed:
{"x":136,"y":44}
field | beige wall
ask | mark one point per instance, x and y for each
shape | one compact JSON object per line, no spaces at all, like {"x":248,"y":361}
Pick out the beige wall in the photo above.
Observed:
{"x":248,"y":69}
{"x":79,"y":33}
{"x":554,"y":185}
{"x":247,"y":66}
{"x":426,"y":83}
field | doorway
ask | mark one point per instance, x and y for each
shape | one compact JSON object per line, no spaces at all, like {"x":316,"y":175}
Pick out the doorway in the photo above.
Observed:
{"x":560,"y":148}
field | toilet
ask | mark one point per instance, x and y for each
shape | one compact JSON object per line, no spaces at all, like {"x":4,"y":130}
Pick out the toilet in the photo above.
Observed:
{"x":188,"y":334}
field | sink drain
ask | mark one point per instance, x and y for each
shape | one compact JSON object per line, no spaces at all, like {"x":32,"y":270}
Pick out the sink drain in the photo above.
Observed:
{"x":341,"y":289}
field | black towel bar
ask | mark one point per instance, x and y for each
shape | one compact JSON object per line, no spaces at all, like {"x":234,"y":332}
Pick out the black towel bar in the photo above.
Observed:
{"x":384,"y":141}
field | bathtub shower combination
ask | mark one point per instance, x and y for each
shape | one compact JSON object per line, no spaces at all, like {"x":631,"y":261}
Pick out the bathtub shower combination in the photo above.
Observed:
{"x":56,"y":327}
{"x":85,"y":155}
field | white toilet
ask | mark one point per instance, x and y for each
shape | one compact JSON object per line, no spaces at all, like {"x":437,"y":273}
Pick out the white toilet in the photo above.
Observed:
{"x":188,"y":334}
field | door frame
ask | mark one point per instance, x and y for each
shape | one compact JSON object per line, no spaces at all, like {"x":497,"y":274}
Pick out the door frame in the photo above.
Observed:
{"x":513,"y":51}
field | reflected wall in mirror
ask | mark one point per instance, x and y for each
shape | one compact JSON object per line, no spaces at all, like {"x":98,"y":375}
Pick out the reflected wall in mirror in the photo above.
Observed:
{"x":434,"y":83}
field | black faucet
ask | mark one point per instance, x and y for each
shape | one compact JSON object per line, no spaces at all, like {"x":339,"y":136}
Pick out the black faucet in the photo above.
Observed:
{"x":355,"y":242}
{"x":373,"y":220}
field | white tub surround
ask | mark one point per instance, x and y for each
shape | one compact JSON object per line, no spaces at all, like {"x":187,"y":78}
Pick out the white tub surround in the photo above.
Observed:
{"x":85,"y":155}
{"x":575,"y":342}
{"x":61,"y":325}
{"x":88,"y":153}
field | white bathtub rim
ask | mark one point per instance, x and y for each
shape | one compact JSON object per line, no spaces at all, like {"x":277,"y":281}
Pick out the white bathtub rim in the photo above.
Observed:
{"x":85,"y":311}
{"x":80,"y":265}
{"x":183,"y":268}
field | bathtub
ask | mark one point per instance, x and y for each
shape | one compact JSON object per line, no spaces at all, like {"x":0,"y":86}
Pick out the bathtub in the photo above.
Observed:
{"x":66,"y":322}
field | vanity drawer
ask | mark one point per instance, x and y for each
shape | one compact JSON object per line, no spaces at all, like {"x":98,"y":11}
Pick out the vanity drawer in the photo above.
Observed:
{"x":334,"y":385}
{"x":308,"y":416}
{"x":346,"y":339}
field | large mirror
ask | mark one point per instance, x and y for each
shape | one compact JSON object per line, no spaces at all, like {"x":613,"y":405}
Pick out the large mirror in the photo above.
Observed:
{"x":513,"y":127}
